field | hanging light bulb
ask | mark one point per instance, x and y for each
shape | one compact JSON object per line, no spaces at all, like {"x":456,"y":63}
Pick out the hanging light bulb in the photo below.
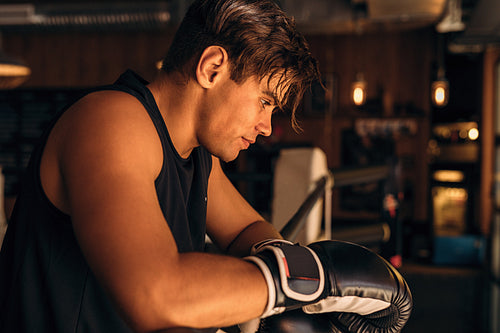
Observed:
{"x":358,"y":90}
{"x":440,"y":90}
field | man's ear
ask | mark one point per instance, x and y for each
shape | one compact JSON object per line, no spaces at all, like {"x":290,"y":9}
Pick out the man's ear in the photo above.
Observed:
{"x":213,"y":62}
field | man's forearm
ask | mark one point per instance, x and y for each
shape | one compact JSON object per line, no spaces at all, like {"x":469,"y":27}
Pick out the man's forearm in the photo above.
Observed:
{"x":253,"y":233}
{"x":214,"y":291}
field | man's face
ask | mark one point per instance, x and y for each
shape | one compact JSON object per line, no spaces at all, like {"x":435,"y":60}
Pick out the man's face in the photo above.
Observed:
{"x":234,"y":115}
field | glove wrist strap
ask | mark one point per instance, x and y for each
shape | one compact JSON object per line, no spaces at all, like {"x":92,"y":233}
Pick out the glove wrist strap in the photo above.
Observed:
{"x":271,"y":289}
{"x":294,"y":275}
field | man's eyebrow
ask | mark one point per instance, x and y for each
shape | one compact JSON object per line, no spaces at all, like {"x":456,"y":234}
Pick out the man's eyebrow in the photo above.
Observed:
{"x":271,"y":95}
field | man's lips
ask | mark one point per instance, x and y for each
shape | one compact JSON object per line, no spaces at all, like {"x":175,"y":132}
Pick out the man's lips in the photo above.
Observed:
{"x":247,"y":142}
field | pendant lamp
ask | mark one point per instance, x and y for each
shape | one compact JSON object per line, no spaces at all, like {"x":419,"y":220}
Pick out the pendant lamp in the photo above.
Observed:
{"x":12,"y":71}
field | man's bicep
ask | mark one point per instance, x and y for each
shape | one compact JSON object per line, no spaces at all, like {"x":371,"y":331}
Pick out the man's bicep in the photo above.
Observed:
{"x":109,"y":184}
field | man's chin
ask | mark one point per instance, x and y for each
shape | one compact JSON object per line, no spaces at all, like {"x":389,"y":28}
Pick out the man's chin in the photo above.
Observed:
{"x":228,"y":157}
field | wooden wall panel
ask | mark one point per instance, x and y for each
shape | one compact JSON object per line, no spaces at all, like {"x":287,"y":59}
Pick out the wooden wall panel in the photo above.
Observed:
{"x":487,"y":130}
{"x":81,"y":59}
{"x":396,"y":66}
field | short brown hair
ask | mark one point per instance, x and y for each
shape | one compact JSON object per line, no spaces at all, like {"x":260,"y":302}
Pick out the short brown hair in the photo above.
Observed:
{"x":259,"y":39}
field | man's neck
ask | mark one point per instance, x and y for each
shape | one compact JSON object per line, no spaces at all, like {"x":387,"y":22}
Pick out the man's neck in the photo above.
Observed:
{"x":177,"y":99}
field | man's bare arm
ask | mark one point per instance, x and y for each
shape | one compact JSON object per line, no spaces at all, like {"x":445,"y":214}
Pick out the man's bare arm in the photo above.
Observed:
{"x":108,"y":162}
{"x":231,"y":222}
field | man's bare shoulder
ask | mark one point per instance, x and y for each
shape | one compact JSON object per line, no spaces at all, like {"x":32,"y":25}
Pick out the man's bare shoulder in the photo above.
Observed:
{"x":113,"y":123}
{"x":108,"y":104}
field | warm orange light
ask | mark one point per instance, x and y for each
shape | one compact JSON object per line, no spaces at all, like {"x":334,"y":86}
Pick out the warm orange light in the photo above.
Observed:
{"x":358,"y":96}
{"x":440,"y":92}
{"x":12,"y":72}
{"x":440,"y":95}
{"x":358,"y":91}
{"x":473,"y":134}
{"x":453,"y":176}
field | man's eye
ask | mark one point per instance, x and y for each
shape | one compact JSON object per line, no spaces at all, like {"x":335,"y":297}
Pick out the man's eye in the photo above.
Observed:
{"x":264,"y":103}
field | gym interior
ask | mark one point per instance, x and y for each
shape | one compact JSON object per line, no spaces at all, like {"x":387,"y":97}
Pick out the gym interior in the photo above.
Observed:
{"x":399,"y":139}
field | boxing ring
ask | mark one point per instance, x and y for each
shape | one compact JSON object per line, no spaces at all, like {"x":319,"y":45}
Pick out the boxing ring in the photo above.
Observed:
{"x":376,"y":232}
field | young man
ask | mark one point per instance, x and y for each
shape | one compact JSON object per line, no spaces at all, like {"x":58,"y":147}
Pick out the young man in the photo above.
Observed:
{"x":108,"y":232}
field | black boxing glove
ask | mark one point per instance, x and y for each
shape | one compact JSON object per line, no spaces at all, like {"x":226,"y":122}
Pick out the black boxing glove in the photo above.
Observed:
{"x":333,"y":277}
{"x":296,"y":321}
{"x":367,"y":294}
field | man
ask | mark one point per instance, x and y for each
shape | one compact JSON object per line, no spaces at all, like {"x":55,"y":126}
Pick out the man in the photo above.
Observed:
{"x":109,"y":230}
{"x":108,"y":233}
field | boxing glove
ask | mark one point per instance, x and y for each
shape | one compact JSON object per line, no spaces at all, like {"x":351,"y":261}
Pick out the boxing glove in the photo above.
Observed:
{"x":296,"y":321}
{"x":352,"y":284}
{"x":366,"y":293}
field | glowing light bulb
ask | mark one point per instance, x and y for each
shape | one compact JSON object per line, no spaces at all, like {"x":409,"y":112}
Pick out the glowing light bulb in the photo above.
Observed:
{"x":473,"y":134}
{"x":358,"y":96}
{"x":439,"y":95}
{"x":358,"y":90}
{"x":440,"y":92}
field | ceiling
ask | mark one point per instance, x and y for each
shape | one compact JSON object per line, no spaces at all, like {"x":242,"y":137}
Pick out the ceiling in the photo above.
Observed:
{"x":345,"y":16}
{"x":483,"y":26}
{"x":480,"y":19}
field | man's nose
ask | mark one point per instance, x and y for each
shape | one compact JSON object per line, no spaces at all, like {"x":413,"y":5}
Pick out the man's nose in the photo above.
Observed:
{"x":264,"y":126}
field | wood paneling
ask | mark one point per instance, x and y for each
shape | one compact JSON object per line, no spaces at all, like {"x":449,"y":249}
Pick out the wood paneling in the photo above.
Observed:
{"x":487,"y":131}
{"x":396,"y":66}
{"x":81,"y":59}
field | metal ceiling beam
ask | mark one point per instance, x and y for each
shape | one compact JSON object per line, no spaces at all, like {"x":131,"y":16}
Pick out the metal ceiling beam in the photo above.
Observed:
{"x":156,"y":14}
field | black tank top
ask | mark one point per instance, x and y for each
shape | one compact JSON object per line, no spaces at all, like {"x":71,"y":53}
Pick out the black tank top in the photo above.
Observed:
{"x":45,"y":283}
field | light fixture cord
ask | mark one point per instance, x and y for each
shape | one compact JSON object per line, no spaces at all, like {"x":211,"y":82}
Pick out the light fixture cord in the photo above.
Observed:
{"x":440,"y":57}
